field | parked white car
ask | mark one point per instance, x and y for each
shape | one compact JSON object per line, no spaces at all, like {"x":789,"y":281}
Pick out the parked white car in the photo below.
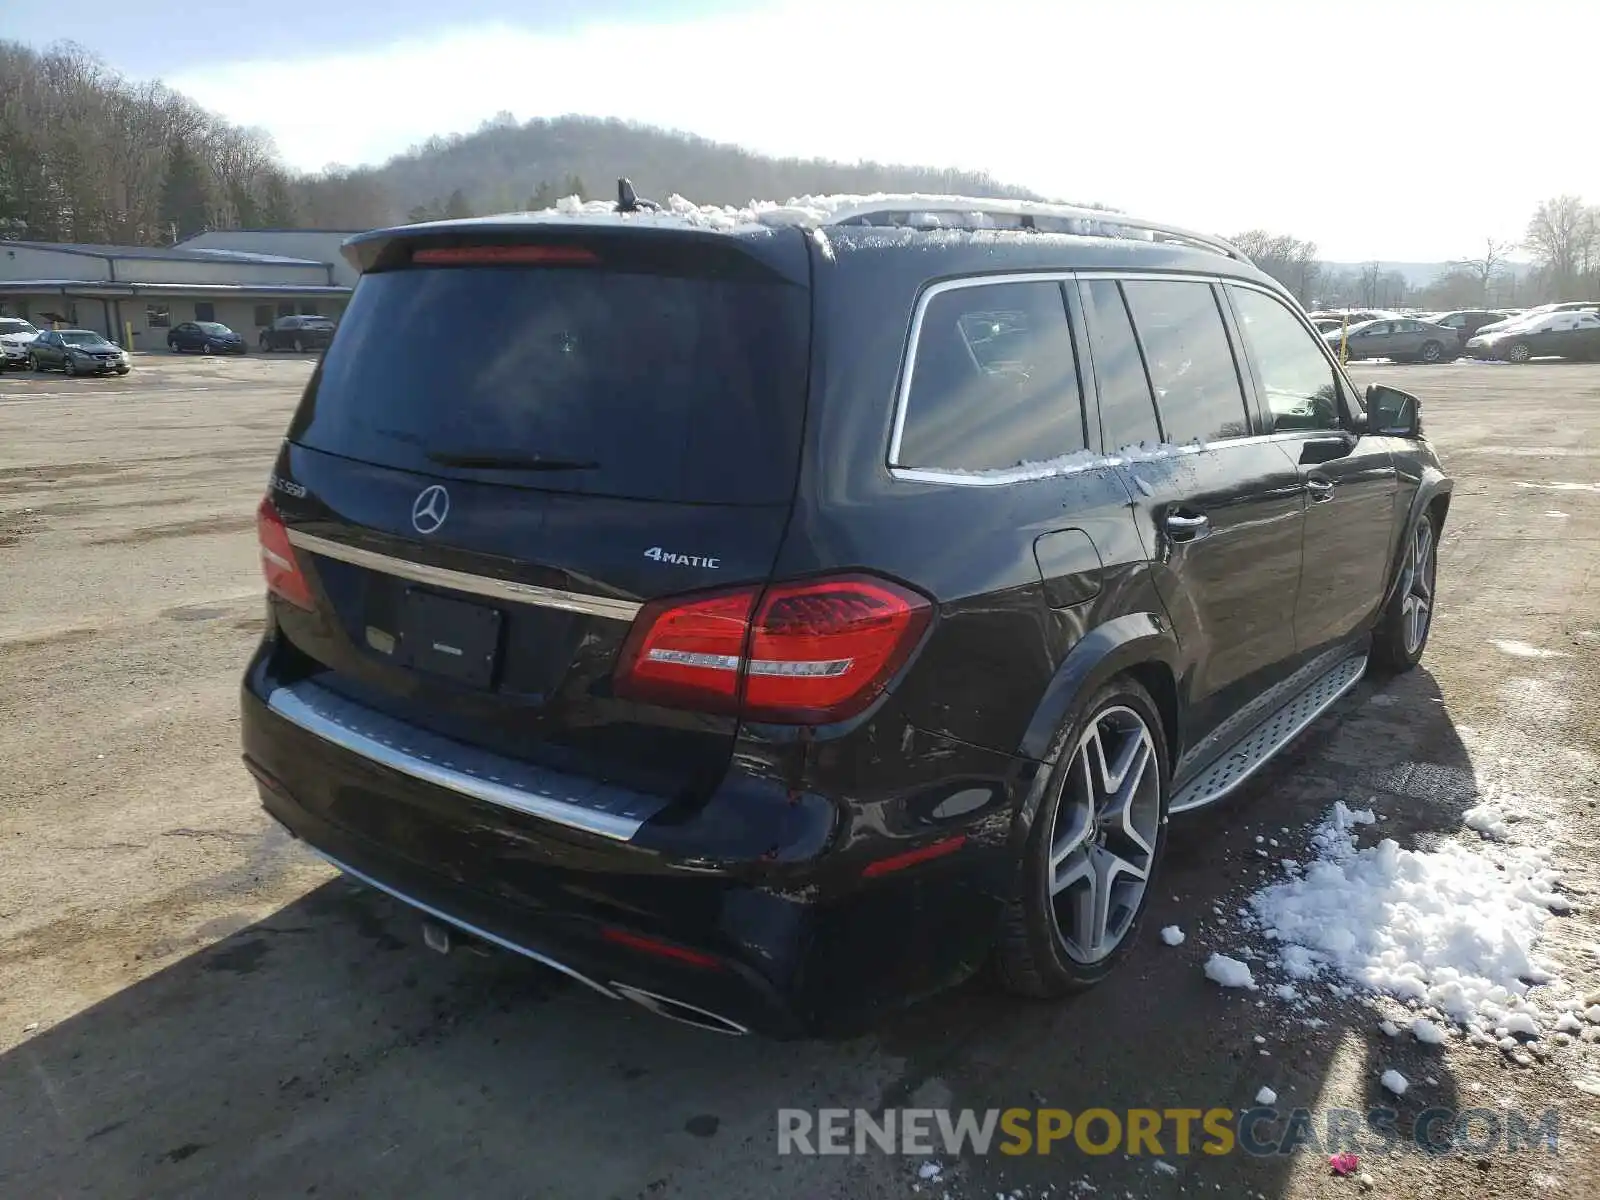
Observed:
{"x":15,"y":334}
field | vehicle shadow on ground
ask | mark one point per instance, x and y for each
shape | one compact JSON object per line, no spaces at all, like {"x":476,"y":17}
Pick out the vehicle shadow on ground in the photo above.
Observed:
{"x":323,"y":1051}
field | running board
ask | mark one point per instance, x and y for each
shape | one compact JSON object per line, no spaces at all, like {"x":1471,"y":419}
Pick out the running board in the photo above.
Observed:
{"x":1277,"y":730}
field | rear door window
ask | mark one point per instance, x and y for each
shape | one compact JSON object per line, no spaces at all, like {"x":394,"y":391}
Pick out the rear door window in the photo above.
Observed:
{"x":1127,"y":406}
{"x":1191,"y":363}
{"x":994,"y":383}
{"x":599,"y":381}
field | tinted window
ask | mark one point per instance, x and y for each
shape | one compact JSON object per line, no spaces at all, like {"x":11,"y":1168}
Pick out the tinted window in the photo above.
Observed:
{"x":1301,"y":389}
{"x":995,"y":381}
{"x":658,"y":386}
{"x":1191,"y":364}
{"x":1127,"y":408}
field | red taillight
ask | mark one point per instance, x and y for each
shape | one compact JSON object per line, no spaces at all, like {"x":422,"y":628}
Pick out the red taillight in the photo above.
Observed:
{"x":812,"y":652}
{"x":477,"y":256}
{"x":278,"y":563}
{"x":659,"y":948}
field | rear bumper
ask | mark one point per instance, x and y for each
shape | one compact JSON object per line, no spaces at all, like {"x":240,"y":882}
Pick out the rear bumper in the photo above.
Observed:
{"x":784,"y":951}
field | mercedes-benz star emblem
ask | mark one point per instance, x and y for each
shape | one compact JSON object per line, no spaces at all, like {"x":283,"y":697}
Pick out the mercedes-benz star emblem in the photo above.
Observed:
{"x":430,"y":508}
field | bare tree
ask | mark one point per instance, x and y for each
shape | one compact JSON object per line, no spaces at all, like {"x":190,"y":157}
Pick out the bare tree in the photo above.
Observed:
{"x":1487,"y":268}
{"x":1289,"y":260}
{"x":1371,"y":280}
{"x":1561,"y":235}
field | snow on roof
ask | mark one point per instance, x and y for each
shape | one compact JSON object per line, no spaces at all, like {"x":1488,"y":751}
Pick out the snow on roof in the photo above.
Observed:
{"x":923,"y":210}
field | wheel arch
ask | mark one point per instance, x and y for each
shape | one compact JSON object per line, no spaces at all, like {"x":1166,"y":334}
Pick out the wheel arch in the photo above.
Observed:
{"x":1432,"y":497}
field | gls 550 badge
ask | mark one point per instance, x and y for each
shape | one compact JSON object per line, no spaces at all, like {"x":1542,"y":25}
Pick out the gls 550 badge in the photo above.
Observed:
{"x":657,"y":554}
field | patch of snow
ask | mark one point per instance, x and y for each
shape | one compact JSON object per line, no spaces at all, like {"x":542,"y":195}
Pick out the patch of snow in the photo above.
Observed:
{"x":1427,"y":1032}
{"x":1389,"y":1028}
{"x":1488,"y":820}
{"x":1589,"y":1084}
{"x":1518,"y":1022}
{"x":1592,"y":1013}
{"x":1229,"y":972}
{"x":1523,"y":650}
{"x":930,"y":1170}
{"x":1557,"y":513}
{"x":1266,"y":1096}
{"x":1286,"y":992}
{"x":1568,"y":1023}
{"x":1394,"y":1081}
{"x":1164,"y":1167}
{"x":1172,"y":935}
{"x":1451,"y":928}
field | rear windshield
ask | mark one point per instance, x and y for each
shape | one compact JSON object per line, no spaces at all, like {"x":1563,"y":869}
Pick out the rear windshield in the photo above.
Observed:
{"x":650,"y":386}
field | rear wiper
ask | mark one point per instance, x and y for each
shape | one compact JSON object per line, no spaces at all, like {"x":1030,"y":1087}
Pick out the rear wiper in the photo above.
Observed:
{"x":509,"y":462}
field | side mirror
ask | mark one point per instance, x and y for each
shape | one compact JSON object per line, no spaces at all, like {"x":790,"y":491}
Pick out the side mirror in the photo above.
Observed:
{"x":1393,"y":413}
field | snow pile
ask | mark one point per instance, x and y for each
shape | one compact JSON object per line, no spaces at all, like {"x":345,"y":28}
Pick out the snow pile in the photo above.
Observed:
{"x":1395,"y":1082}
{"x":1266,"y":1096}
{"x":956,"y":212}
{"x":1172,"y":935}
{"x":1451,"y":929}
{"x":1229,"y":972}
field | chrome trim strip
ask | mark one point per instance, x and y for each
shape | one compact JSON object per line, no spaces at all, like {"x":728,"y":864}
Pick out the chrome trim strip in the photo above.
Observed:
{"x":1206,"y":800}
{"x":292,"y":708}
{"x":462,"y":581}
{"x":503,"y":943}
{"x":717,"y":1023}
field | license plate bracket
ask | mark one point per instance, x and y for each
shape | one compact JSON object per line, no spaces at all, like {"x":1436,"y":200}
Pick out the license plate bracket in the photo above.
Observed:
{"x":452,"y":638}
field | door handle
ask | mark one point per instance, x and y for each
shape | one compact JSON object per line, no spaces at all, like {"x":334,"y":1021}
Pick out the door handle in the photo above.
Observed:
{"x":1184,"y":528}
{"x":1321,"y":489}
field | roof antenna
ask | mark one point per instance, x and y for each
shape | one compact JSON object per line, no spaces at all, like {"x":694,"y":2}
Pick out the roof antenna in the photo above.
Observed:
{"x":630,"y":201}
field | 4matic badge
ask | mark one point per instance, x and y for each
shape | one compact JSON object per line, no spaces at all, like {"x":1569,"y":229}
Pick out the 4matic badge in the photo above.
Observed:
{"x":657,"y":554}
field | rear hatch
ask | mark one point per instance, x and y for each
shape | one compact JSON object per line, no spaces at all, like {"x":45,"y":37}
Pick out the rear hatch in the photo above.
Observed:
{"x":519,"y":436}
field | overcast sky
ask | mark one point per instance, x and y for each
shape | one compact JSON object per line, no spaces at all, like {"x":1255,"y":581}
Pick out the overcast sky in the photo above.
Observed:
{"x":1404,"y":130}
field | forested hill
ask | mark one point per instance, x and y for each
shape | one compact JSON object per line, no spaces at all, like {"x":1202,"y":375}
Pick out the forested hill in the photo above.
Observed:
{"x":505,"y":164}
{"x":88,"y":155}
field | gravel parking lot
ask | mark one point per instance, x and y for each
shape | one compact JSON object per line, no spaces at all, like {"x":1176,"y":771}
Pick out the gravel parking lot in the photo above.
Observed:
{"x":191,"y":1005}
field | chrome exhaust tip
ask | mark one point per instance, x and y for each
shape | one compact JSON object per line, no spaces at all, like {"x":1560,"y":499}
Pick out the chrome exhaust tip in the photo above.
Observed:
{"x":679,"y":1010}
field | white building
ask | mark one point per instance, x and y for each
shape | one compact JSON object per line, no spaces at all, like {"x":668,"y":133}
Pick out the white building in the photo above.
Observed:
{"x":245,"y":279}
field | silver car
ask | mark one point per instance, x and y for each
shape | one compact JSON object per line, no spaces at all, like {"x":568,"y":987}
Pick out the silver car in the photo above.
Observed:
{"x":1404,"y":339}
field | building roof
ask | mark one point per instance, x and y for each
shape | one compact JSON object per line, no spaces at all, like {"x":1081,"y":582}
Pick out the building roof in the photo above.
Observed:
{"x":192,"y":254}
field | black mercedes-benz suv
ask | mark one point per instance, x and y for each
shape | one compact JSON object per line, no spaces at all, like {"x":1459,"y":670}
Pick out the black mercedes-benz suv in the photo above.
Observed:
{"x":774,"y":620}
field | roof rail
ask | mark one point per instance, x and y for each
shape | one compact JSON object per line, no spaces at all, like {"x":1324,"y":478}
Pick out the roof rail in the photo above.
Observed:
{"x":963,"y":212}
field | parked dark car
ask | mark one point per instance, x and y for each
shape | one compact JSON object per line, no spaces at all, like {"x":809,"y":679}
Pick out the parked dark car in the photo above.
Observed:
{"x":1403,"y":339}
{"x":1562,"y":334}
{"x":1466,"y":321}
{"x":77,"y":352}
{"x":207,"y":337}
{"x":692,"y":630}
{"x":298,"y":333}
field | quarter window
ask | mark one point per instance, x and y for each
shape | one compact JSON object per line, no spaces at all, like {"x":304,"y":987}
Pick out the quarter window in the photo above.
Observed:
{"x":1127,"y":407}
{"x":1301,"y":389}
{"x":1191,"y":365}
{"x":995,"y":381}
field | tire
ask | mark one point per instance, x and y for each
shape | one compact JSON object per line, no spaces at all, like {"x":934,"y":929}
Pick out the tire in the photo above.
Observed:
{"x":1398,"y":641}
{"x":1432,"y":352}
{"x":67,"y":368}
{"x":207,"y":348}
{"x":173,"y":347}
{"x":299,"y":346}
{"x":1518,"y":352}
{"x":265,"y":344}
{"x":1046,"y":949}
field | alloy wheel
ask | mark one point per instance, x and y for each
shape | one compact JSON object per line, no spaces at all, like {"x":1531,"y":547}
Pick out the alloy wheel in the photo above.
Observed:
{"x":1430,"y":352}
{"x":1519,"y":353}
{"x":1103,"y":836}
{"x":1416,"y":610}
